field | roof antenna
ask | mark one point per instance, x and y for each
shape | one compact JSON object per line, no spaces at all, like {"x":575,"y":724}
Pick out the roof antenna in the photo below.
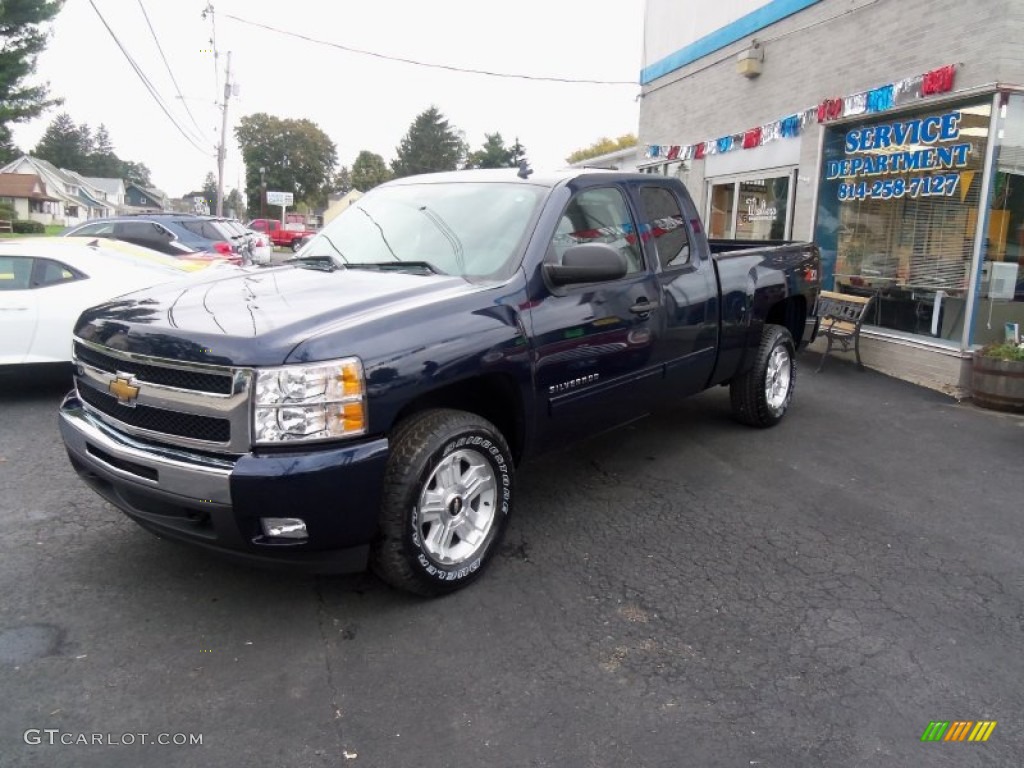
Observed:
{"x":524,"y":169}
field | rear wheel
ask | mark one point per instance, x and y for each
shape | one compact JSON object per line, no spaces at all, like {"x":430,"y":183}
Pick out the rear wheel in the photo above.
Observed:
{"x":761,"y":396}
{"x":448,"y":491}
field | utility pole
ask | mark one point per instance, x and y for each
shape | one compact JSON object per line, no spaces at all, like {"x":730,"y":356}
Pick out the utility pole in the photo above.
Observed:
{"x":222,"y":149}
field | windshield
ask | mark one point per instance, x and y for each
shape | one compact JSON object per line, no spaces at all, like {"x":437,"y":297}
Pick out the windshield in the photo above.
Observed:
{"x":464,"y":229}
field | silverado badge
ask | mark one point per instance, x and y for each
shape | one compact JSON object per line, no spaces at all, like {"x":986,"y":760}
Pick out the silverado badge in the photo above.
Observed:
{"x":124,"y":388}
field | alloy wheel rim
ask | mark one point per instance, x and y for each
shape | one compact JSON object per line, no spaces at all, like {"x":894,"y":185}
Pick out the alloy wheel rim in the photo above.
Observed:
{"x":778,"y":378}
{"x":457,"y":507}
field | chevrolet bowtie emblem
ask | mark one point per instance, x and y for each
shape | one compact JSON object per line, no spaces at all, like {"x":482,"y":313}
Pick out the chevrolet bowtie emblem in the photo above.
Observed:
{"x":124,"y":388}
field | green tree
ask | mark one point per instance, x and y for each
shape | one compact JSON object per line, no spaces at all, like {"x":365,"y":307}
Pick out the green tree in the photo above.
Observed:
{"x":136,"y":172}
{"x":296,"y":155}
{"x":493,"y":153}
{"x":430,"y":145}
{"x":342,"y":182}
{"x":8,"y":151}
{"x":210,"y":190}
{"x":602,"y":146}
{"x":368,"y":171}
{"x":104,"y":162}
{"x":518,"y":153}
{"x":234,"y":202}
{"x":22,"y":39}
{"x":61,"y":144}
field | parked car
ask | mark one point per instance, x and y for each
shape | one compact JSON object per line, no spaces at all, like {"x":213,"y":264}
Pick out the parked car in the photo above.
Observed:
{"x":177,"y":234}
{"x":46,"y":283}
{"x":370,"y":403}
{"x":291,"y":235}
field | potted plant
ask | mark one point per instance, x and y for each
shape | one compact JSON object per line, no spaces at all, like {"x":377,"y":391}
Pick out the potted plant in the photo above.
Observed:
{"x":997,"y":378}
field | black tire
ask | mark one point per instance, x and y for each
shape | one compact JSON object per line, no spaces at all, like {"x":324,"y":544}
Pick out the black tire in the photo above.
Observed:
{"x":750,"y":401}
{"x":297,"y":243}
{"x":402,"y":555}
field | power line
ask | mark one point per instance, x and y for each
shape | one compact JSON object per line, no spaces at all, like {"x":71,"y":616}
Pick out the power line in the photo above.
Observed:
{"x":448,"y":67}
{"x":146,"y":82}
{"x":169,"y":72}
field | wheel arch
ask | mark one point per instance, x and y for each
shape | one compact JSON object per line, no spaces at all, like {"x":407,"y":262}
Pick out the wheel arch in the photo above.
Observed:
{"x":790,"y":313}
{"x":495,"y":397}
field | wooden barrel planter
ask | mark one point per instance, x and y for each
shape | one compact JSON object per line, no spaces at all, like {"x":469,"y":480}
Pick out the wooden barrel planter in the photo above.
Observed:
{"x":998,"y":384}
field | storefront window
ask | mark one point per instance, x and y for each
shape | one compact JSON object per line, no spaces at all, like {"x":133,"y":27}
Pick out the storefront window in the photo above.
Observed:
{"x":1001,"y":287}
{"x":723,"y":210}
{"x":750,"y":209}
{"x":897,"y":213}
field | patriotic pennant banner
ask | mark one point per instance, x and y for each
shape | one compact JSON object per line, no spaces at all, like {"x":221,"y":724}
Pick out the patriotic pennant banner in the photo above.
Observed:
{"x":879,"y":99}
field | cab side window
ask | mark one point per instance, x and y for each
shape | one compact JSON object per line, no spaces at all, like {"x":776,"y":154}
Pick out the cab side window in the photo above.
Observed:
{"x":665,"y":227}
{"x":597,"y":216}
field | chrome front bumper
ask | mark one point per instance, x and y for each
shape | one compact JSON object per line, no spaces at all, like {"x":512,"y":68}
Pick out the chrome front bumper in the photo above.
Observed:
{"x":169,"y":471}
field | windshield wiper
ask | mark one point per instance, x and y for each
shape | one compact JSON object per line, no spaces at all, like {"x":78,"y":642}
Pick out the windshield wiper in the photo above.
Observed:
{"x":396,"y":266}
{"x":321,"y":263}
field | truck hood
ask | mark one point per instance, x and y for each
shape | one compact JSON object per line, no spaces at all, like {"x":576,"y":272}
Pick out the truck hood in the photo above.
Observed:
{"x":257,"y":317}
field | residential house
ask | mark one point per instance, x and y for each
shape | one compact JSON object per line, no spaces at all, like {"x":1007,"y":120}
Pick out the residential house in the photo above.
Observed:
{"x":140,"y":198}
{"x":26,"y":193}
{"x":338,"y":203}
{"x":79,"y":200}
{"x":113,"y":189}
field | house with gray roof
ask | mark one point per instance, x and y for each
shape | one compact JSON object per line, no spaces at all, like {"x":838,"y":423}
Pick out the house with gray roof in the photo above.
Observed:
{"x":79,"y":199}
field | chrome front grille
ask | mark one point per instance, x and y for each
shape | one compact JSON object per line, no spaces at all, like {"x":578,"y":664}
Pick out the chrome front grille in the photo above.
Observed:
{"x":192,"y":405}
{"x":182,"y":378}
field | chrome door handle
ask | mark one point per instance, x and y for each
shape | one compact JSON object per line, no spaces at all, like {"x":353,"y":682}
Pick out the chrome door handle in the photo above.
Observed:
{"x":642,"y":306}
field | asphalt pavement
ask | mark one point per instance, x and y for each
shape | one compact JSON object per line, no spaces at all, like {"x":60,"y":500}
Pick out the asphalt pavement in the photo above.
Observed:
{"x":681,"y":592}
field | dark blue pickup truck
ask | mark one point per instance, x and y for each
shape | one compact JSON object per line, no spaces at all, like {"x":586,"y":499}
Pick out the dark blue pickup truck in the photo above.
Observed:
{"x":369,"y":402}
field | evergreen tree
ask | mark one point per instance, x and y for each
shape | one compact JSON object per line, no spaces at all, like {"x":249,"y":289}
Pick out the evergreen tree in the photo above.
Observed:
{"x":22,"y":38}
{"x":103,"y":162}
{"x":8,"y":151}
{"x":493,"y":153}
{"x":518,"y":153}
{"x":430,"y":145}
{"x":210,"y":190}
{"x":61,"y":144}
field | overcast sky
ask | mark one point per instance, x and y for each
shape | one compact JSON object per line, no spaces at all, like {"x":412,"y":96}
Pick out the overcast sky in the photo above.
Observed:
{"x":359,"y":101}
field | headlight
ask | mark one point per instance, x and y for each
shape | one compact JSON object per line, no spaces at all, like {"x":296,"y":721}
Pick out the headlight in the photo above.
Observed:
{"x":310,"y":402}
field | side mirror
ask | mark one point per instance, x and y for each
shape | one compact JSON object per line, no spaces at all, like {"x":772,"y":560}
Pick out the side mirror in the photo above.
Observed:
{"x":587,"y":263}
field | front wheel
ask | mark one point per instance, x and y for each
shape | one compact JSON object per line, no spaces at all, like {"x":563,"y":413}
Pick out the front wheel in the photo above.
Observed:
{"x":448,"y":491}
{"x":761,"y":396}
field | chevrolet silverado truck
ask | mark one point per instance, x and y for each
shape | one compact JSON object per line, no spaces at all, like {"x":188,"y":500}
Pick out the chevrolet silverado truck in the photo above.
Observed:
{"x":369,"y":403}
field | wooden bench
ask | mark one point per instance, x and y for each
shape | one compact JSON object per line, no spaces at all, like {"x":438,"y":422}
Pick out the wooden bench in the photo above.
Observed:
{"x":6,"y":226}
{"x":841,"y":316}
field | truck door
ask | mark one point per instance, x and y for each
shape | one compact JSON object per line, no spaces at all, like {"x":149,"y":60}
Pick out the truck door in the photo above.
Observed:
{"x":686,"y":283}
{"x":594,"y":343}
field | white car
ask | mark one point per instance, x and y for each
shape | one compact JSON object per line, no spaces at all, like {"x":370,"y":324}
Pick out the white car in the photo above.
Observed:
{"x":46,"y":283}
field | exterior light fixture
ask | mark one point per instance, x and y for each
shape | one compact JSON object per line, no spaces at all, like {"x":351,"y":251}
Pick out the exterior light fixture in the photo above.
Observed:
{"x":750,"y":61}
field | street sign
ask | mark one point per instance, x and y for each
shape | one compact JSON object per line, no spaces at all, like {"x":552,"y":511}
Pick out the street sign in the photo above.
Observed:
{"x":280,"y":198}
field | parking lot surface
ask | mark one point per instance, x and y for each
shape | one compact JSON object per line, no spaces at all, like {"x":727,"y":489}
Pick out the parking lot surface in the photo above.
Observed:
{"x":681,"y":592}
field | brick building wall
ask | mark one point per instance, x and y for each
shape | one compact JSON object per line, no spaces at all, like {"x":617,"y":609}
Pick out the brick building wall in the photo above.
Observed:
{"x":836,"y":48}
{"x":833,"y":48}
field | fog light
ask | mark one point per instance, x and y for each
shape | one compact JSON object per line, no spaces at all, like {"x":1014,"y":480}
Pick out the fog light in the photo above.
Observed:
{"x":284,"y":527}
